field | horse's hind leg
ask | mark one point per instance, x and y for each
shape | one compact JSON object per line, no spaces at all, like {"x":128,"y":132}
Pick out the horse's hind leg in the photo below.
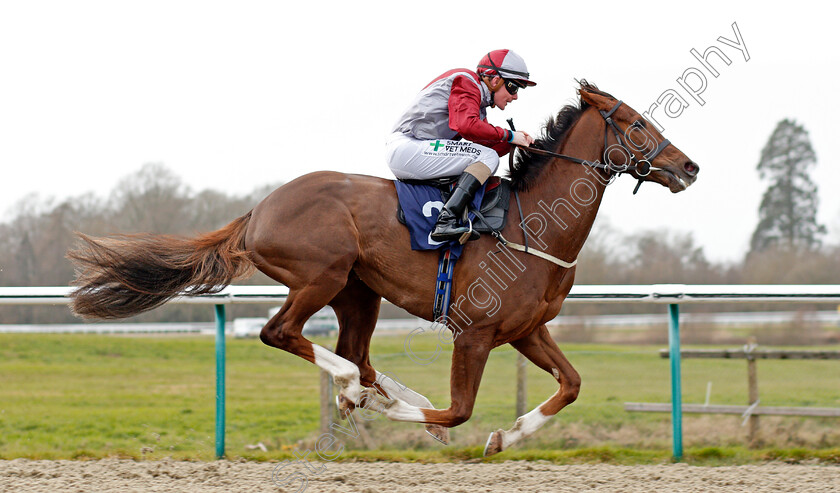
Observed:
{"x":357,"y":309}
{"x":543,"y":352}
{"x":396,"y":389}
{"x":283,"y":331}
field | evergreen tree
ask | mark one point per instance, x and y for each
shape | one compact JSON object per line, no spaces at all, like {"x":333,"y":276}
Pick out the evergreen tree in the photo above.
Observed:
{"x":788,"y":211}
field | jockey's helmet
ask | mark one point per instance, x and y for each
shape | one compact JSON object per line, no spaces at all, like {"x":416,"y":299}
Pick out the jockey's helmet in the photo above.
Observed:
{"x":507,"y":65}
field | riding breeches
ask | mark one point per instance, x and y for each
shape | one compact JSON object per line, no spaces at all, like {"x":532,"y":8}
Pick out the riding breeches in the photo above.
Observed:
{"x":413,"y":159}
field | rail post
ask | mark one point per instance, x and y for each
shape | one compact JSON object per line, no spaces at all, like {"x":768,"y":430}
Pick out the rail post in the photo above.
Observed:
{"x":676,"y":384}
{"x":521,"y":385}
{"x":220,"y":381}
{"x":752,"y":389}
{"x":327,"y":401}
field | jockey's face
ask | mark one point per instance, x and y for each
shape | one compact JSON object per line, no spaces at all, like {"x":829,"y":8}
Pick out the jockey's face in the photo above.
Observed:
{"x":502,"y":97}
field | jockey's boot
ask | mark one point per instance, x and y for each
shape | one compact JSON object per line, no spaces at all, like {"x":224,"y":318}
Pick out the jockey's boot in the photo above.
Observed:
{"x":446,"y":227}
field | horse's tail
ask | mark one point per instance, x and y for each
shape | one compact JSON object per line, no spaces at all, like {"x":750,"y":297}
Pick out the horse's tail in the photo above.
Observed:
{"x":125,"y":275}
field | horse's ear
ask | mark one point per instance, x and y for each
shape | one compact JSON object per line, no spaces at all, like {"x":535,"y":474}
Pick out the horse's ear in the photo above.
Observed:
{"x":596,"y":100}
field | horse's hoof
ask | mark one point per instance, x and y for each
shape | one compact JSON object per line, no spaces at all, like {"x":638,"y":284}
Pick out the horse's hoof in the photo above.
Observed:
{"x":372,"y":401}
{"x":344,"y":405}
{"x":494,"y":443}
{"x":439,"y":433}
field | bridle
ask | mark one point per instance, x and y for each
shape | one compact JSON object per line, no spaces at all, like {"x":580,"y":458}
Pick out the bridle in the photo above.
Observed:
{"x":642,"y":167}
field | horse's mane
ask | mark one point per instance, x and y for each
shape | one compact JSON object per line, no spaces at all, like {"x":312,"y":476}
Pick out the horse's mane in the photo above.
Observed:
{"x":528,"y":167}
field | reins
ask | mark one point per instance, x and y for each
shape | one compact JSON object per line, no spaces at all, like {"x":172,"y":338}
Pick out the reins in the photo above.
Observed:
{"x":641,"y":167}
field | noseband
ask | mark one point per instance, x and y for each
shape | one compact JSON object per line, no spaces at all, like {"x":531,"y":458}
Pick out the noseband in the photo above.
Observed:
{"x":641,"y":167}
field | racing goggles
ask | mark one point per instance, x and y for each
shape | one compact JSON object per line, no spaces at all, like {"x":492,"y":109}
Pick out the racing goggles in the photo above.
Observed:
{"x":512,"y":86}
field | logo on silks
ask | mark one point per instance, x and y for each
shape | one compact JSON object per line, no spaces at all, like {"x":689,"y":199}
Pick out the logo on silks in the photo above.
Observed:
{"x":437,"y":145}
{"x":452,"y":148}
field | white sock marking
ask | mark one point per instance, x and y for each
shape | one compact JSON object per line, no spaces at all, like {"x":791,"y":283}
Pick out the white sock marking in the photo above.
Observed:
{"x":395,"y":389}
{"x":345,"y":373}
{"x":400,"y":411}
{"x":525,"y":426}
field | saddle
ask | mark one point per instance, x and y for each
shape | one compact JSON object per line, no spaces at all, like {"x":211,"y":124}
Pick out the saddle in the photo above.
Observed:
{"x":494,"y":206}
{"x":492,"y":214}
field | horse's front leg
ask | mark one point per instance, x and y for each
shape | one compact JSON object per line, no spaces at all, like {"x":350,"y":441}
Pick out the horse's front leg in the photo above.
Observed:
{"x":389,"y":386}
{"x":543,"y":352}
{"x":469,"y":356}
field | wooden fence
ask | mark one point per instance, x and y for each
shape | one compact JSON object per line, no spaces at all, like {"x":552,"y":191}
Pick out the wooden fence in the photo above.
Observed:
{"x":753,"y":409}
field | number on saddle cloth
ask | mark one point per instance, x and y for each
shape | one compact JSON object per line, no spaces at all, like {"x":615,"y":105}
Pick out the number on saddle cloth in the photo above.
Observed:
{"x":424,"y":202}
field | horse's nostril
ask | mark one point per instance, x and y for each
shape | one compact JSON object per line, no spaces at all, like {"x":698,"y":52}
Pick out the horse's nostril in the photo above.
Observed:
{"x":691,"y":168}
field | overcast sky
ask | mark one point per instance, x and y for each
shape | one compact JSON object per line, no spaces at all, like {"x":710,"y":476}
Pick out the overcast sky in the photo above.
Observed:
{"x":233,"y":95}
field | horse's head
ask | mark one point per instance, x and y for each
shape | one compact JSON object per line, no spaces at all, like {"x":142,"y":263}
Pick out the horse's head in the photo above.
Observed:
{"x":635,"y":146}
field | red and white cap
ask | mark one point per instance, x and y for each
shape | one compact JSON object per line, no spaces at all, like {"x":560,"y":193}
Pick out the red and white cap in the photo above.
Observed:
{"x":507,"y":65}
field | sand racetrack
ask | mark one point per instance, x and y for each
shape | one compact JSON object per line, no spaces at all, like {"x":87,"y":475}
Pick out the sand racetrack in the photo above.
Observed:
{"x":113,"y":475}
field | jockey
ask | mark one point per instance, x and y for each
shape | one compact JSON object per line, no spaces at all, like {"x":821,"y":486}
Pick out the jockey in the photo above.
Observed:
{"x":444,"y":132}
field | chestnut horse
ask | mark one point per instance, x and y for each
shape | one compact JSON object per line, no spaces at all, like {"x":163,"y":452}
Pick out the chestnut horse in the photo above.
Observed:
{"x":334,"y":239}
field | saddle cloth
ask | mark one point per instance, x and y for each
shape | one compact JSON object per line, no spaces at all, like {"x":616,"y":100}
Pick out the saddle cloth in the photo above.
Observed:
{"x":421,"y":202}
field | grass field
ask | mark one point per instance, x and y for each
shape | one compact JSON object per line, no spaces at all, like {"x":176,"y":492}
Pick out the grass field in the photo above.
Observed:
{"x":80,"y":396}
